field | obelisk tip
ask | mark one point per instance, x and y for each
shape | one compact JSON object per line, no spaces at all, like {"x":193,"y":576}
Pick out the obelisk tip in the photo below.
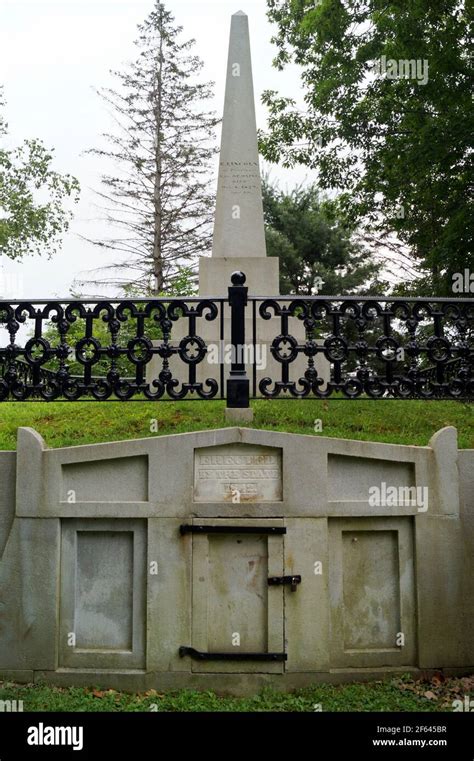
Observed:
{"x":239,"y":13}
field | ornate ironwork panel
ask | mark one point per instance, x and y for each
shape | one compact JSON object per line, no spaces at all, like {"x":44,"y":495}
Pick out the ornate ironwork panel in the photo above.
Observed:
{"x":105,"y":350}
{"x":344,"y":347}
{"x":399,"y":348}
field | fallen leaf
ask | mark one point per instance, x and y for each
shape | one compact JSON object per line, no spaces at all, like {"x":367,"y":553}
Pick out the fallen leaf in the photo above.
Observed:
{"x":430,"y":695}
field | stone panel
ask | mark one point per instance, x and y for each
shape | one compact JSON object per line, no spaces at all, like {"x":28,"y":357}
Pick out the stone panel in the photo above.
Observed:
{"x":103,"y":587}
{"x":105,"y":480}
{"x":238,"y":473}
{"x":350,"y":478}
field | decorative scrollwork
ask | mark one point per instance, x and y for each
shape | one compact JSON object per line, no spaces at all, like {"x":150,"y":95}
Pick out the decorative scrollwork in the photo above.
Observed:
{"x":105,"y":350}
{"x":378,"y":348}
{"x":155,"y":349}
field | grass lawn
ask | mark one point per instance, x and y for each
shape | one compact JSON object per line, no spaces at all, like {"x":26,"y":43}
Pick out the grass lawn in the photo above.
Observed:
{"x":400,"y":694}
{"x":393,"y":421}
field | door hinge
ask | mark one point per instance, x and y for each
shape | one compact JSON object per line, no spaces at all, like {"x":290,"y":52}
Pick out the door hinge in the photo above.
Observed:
{"x":193,"y":528}
{"x":200,"y":656}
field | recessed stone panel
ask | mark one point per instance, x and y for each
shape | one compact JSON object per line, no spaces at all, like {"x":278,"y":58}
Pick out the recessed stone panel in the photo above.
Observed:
{"x":121,"y":479}
{"x":371,"y":588}
{"x":238,"y":473}
{"x":104,"y":590}
{"x":102,"y":594}
{"x":350,"y":478}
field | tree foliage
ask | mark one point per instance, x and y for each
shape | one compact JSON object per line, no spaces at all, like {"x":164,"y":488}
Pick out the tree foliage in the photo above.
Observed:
{"x":33,"y":214}
{"x":387,"y":118}
{"x":315,"y":243}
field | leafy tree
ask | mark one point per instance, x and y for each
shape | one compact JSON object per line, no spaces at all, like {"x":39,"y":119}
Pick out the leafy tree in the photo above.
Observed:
{"x":33,"y":216}
{"x":315,"y":243}
{"x":159,"y":200}
{"x":387,"y":119}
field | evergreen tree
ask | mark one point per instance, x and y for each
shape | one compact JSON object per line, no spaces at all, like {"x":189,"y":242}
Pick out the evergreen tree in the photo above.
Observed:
{"x":319,"y":250}
{"x":157,"y":198}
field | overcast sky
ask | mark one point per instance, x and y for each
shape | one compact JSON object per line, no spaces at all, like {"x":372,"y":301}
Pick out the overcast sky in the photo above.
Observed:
{"x":53,"y":55}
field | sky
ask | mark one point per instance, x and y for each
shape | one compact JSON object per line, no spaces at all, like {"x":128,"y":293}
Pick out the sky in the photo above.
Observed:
{"x":52,"y":57}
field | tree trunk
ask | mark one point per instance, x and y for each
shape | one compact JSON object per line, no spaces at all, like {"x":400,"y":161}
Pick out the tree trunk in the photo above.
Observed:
{"x":157,"y":200}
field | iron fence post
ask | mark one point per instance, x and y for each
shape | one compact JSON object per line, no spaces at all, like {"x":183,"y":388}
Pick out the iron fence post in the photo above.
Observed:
{"x":238,"y":385}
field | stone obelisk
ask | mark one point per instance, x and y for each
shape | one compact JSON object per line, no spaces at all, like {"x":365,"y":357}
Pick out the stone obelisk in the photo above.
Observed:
{"x":239,"y":234}
{"x":238,"y":229}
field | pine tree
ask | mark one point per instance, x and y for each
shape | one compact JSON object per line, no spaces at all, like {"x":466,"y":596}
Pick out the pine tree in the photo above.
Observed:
{"x":320,"y":251}
{"x":158,"y":200}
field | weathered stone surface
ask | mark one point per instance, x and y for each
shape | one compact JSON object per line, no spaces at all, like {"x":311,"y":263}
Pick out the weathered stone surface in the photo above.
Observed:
{"x":239,"y":415}
{"x":466,"y":490}
{"x":116,"y":570}
{"x":170,"y":571}
{"x":444,"y":445}
{"x":444,"y":576}
{"x":237,"y":473}
{"x":307,"y":610}
{"x":7,"y":495}
{"x":372,"y":592}
{"x":29,"y":571}
{"x":103,"y":594}
{"x":96,"y":481}
{"x":262,"y":275}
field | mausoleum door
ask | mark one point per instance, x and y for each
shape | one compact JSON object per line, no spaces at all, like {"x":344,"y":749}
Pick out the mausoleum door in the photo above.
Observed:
{"x":237,"y":595}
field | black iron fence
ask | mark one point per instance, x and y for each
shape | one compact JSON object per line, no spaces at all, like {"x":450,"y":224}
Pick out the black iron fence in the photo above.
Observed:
{"x":286,"y":347}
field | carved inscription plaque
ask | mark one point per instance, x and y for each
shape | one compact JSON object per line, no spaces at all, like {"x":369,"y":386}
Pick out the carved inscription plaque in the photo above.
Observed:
{"x":240,"y":177}
{"x":237,"y":473}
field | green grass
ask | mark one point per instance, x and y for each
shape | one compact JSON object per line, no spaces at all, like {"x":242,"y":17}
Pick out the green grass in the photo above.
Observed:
{"x":401,"y":694}
{"x":393,"y":421}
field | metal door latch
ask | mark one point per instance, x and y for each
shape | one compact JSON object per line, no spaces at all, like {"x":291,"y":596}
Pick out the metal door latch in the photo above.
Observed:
{"x":293,"y":581}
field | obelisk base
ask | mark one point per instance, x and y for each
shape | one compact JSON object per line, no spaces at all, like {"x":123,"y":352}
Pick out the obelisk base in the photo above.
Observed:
{"x":262,"y":274}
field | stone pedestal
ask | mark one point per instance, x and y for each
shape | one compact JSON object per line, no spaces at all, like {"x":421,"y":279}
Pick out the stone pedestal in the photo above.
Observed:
{"x":262,"y":274}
